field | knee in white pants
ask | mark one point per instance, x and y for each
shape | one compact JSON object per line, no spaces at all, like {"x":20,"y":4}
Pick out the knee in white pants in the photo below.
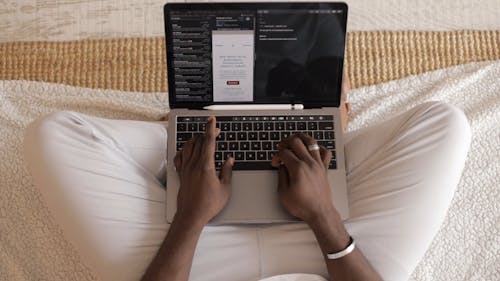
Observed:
{"x":449,"y":116}
{"x":49,"y":126}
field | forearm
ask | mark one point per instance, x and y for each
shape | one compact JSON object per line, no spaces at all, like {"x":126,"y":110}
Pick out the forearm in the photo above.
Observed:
{"x":333,"y":237}
{"x":175,"y":256}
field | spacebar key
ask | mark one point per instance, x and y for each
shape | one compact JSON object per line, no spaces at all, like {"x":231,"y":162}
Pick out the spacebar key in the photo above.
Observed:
{"x":252,"y":165}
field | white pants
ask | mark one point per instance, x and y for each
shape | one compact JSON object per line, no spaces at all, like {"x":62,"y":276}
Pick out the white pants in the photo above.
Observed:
{"x":103,"y":182}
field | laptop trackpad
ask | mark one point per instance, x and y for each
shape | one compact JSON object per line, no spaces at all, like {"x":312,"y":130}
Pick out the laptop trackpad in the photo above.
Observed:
{"x":254,"y":199}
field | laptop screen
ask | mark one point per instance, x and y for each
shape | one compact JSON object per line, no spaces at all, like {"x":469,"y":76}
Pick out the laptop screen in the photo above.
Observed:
{"x":255,"y":53}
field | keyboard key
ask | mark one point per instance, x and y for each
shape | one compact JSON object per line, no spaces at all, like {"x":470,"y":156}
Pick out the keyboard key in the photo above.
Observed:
{"x":318,"y":135}
{"x":192,"y":127}
{"x":184,"y":136}
{"x":250,"y":155}
{"x":252,"y":136}
{"x":221,"y":136}
{"x":267,"y":145}
{"x":236,"y":127}
{"x":285,"y":135}
{"x":275,"y":145}
{"x":255,"y":145}
{"x":218,"y":165}
{"x":264,"y":136}
{"x":247,"y":126}
{"x":230,"y":136}
{"x":270,"y":155}
{"x":329,"y":144}
{"x":274,"y":136}
{"x":224,"y":127}
{"x":325,"y":125}
{"x":227,"y":155}
{"x":290,"y":126}
{"x":241,"y":136}
{"x":222,"y":145}
{"x":333,"y":164}
{"x":301,"y":126}
{"x":312,"y":125}
{"x":202,"y":127}
{"x":233,"y":145}
{"x":334,"y":155}
{"x":244,"y":145}
{"x":329,"y":135}
{"x":239,"y":155}
{"x":280,"y":126}
{"x":261,"y":155}
{"x":181,"y":127}
{"x":268,"y":126}
{"x":218,"y":156}
{"x":258,"y":126}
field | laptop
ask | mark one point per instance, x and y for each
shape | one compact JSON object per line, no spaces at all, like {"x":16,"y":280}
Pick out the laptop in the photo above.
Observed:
{"x":266,"y":71}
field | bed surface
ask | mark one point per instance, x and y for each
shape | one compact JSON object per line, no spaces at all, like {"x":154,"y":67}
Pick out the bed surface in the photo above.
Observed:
{"x":466,"y":248}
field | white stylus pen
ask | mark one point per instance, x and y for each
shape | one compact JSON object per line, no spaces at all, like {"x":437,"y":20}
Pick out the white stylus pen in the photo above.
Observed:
{"x":254,"y":107}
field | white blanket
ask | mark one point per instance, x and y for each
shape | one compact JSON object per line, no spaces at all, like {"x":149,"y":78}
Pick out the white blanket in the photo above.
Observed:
{"x":466,"y":248}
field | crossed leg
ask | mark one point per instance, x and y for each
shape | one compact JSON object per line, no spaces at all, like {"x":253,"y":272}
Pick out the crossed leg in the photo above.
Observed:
{"x":102,"y":180}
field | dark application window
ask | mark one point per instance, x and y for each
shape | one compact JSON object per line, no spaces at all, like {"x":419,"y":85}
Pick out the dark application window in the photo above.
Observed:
{"x":298,"y":54}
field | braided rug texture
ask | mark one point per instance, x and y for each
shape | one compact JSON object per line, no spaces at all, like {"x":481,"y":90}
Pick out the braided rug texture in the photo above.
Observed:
{"x":139,"y":64}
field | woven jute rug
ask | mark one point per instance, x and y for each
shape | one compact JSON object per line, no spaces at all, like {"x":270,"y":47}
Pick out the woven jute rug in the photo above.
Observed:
{"x":139,"y":64}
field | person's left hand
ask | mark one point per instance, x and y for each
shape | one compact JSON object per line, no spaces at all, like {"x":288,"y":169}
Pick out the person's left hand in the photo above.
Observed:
{"x":202,"y":194}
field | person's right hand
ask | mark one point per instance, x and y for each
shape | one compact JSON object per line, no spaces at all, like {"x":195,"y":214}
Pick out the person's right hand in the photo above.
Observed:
{"x":303,"y":185}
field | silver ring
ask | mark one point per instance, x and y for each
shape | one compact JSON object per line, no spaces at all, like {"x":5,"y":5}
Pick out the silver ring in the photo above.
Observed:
{"x":313,"y":147}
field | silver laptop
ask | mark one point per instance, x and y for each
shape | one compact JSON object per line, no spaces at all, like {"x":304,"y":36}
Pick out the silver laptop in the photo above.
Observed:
{"x":266,"y":71}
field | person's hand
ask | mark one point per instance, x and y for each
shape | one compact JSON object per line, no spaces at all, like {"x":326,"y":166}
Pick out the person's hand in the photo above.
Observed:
{"x":202,"y":194}
{"x":303,"y":185}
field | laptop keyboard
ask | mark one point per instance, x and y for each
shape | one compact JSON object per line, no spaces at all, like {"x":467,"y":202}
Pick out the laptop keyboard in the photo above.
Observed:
{"x":252,"y":140}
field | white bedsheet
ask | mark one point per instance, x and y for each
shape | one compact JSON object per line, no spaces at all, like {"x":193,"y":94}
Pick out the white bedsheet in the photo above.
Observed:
{"x":466,"y":248}
{"x":56,"y":20}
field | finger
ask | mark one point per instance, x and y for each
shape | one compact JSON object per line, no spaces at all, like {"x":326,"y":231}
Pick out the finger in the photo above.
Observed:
{"x":209,"y":139}
{"x":275,"y":160}
{"x":289,"y":159}
{"x":178,"y":161}
{"x":211,"y":129}
{"x":283,"y":182}
{"x":187,"y":151}
{"x":226,"y":173}
{"x":326,"y":156}
{"x":308,"y":140}
{"x":298,"y":147}
{"x":198,"y":147}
